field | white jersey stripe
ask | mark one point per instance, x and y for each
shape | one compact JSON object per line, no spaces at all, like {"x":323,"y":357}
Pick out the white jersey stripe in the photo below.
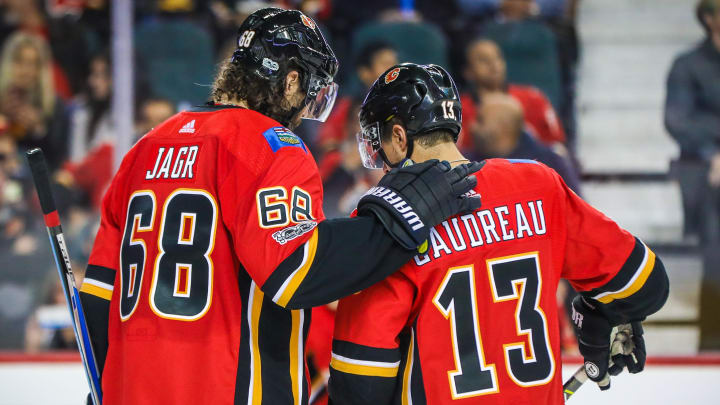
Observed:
{"x":98,"y":283}
{"x":632,"y":280}
{"x":381,"y":364}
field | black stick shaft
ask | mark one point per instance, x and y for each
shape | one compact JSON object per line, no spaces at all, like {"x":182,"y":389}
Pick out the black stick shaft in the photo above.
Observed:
{"x":40,"y":174}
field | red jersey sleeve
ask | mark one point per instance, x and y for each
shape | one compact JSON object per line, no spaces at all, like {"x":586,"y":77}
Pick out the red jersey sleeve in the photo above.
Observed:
{"x":596,"y":246}
{"x":609,"y":265}
{"x":274,"y":212}
{"x":366,"y":345}
{"x":375,"y":316}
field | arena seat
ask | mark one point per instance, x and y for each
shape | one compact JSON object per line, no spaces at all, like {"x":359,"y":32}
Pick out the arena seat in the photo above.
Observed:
{"x":176,"y":59}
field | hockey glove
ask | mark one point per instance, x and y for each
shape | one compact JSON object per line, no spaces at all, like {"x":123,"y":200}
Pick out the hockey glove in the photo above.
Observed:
{"x":410,"y":200}
{"x":593,"y":332}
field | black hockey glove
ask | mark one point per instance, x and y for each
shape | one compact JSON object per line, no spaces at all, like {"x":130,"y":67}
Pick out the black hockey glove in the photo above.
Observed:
{"x":410,"y":200}
{"x":606,"y":354}
{"x":593,"y":332}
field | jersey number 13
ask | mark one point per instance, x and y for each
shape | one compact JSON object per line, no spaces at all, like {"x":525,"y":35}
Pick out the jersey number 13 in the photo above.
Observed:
{"x":511,"y":278}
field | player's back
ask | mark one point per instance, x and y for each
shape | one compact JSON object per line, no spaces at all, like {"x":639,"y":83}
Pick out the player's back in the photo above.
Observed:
{"x":474,"y":319}
{"x":184,"y":324}
{"x":486,"y":323}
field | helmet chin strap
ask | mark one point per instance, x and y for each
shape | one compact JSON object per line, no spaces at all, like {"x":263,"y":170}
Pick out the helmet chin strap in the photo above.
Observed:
{"x":407,"y":155}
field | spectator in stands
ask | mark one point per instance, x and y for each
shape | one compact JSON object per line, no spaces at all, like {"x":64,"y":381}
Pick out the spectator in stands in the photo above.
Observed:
{"x":90,"y":118}
{"x":34,"y":113}
{"x":499,"y":131}
{"x":485,"y":73}
{"x":373,"y":59}
{"x":153,"y":112}
{"x":345,"y":179}
{"x":174,"y":72}
{"x":67,"y":40}
{"x":529,"y":46}
{"x":92,"y":136}
{"x":692,"y":117}
{"x":22,"y":252}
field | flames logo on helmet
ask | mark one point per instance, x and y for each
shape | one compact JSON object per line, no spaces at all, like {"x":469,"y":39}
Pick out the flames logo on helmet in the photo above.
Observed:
{"x":392,"y":75}
{"x":307,"y":21}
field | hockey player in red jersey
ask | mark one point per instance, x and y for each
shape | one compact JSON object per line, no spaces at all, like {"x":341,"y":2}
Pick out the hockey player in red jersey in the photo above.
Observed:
{"x":213,"y":242}
{"x":474,"y":319}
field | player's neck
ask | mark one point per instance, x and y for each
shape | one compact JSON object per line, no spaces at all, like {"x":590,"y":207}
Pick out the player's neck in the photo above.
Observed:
{"x":442,"y":151}
{"x":228,"y":101}
{"x":715,"y":39}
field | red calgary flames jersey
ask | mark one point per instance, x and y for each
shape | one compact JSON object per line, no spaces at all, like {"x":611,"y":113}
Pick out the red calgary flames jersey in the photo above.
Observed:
{"x":474,"y":320}
{"x":200,"y":213}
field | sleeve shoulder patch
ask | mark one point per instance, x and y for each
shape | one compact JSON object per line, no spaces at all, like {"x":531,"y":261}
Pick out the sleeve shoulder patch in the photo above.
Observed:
{"x":280,"y":137}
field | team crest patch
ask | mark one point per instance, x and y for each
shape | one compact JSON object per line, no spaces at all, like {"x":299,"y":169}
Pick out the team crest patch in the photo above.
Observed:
{"x":392,"y":75}
{"x":307,"y":21}
{"x":278,"y":137}
{"x":291,"y":232}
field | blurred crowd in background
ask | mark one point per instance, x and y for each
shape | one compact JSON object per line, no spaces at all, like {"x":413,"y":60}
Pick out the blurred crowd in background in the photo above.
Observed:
{"x":515,"y":62}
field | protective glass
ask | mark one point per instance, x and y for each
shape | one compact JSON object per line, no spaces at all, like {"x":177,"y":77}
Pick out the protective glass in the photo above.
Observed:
{"x":369,"y":146}
{"x":320,"y":99}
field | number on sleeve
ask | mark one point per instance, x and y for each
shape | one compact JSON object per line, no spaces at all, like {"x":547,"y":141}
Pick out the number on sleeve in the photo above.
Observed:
{"x":272,"y":207}
{"x":276,"y":210}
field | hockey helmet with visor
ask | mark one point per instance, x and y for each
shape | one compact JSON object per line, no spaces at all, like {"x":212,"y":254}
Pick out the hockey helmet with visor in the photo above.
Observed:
{"x":423,"y":97}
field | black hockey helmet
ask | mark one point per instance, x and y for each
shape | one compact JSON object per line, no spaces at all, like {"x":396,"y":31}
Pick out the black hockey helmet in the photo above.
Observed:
{"x":272,"y":40}
{"x":423,"y":97}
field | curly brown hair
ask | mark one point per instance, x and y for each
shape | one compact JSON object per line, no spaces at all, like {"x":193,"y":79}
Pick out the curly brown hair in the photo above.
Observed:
{"x":706,"y":7}
{"x":234,"y":83}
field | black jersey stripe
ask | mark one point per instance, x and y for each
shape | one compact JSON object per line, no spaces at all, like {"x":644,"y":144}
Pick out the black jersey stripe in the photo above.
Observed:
{"x":417,"y":384}
{"x":625,"y":274}
{"x":99,"y":273}
{"x":305,"y":331}
{"x":274,"y":332}
{"x":367,"y":353}
{"x":287,"y":277}
{"x":403,"y":394}
{"x":242,"y":381}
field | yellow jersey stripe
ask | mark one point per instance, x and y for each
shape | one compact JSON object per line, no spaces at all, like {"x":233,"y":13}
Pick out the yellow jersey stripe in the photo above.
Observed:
{"x":359,"y":369}
{"x":96,"y":291}
{"x":255,"y":308}
{"x":636,"y":285}
{"x":295,"y":361}
{"x":408,"y":370}
{"x":299,"y":275}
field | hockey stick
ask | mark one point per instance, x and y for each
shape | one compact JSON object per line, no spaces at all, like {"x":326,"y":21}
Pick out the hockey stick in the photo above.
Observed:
{"x":620,"y":336}
{"x":575,"y":382}
{"x":39,"y":170}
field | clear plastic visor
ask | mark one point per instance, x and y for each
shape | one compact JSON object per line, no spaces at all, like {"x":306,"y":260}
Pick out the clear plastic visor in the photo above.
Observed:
{"x":369,"y":146}
{"x":320,"y":99}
